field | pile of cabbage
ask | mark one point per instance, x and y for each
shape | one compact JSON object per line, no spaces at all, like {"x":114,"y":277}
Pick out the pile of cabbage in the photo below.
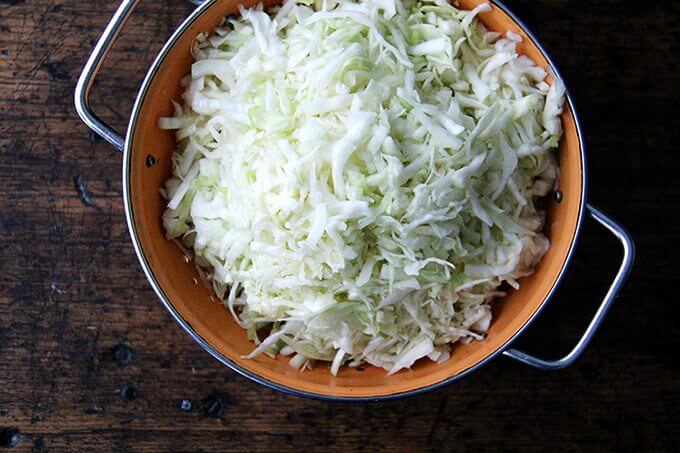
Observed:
{"x":359,"y":178}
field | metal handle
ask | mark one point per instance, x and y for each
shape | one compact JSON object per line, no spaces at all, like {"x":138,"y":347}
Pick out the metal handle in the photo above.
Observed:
{"x":626,"y":264}
{"x":91,"y":69}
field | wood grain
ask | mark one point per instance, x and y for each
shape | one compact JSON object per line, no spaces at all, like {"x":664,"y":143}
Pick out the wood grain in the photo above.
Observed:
{"x":71,"y":289}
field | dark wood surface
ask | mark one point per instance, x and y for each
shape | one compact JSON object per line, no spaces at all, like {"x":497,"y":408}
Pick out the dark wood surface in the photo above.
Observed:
{"x":71,"y":290}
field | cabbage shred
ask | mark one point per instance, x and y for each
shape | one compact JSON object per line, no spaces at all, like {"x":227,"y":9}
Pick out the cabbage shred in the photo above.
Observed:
{"x":359,"y":177}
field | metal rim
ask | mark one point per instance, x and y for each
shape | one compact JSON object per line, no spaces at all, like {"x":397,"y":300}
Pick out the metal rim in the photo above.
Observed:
{"x":274,"y":385}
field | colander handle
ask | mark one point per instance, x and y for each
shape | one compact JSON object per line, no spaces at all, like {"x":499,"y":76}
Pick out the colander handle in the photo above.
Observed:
{"x":91,"y":69}
{"x":626,"y":264}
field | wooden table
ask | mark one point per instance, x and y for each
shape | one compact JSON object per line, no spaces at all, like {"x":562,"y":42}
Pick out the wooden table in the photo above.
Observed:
{"x":71,"y":289}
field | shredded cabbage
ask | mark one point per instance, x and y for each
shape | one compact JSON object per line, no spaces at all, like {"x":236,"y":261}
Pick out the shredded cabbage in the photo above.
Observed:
{"x":359,"y":177}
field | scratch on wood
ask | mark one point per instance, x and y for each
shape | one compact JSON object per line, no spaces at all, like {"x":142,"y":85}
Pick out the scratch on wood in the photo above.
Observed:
{"x":84,"y":194}
{"x":440,"y":412}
